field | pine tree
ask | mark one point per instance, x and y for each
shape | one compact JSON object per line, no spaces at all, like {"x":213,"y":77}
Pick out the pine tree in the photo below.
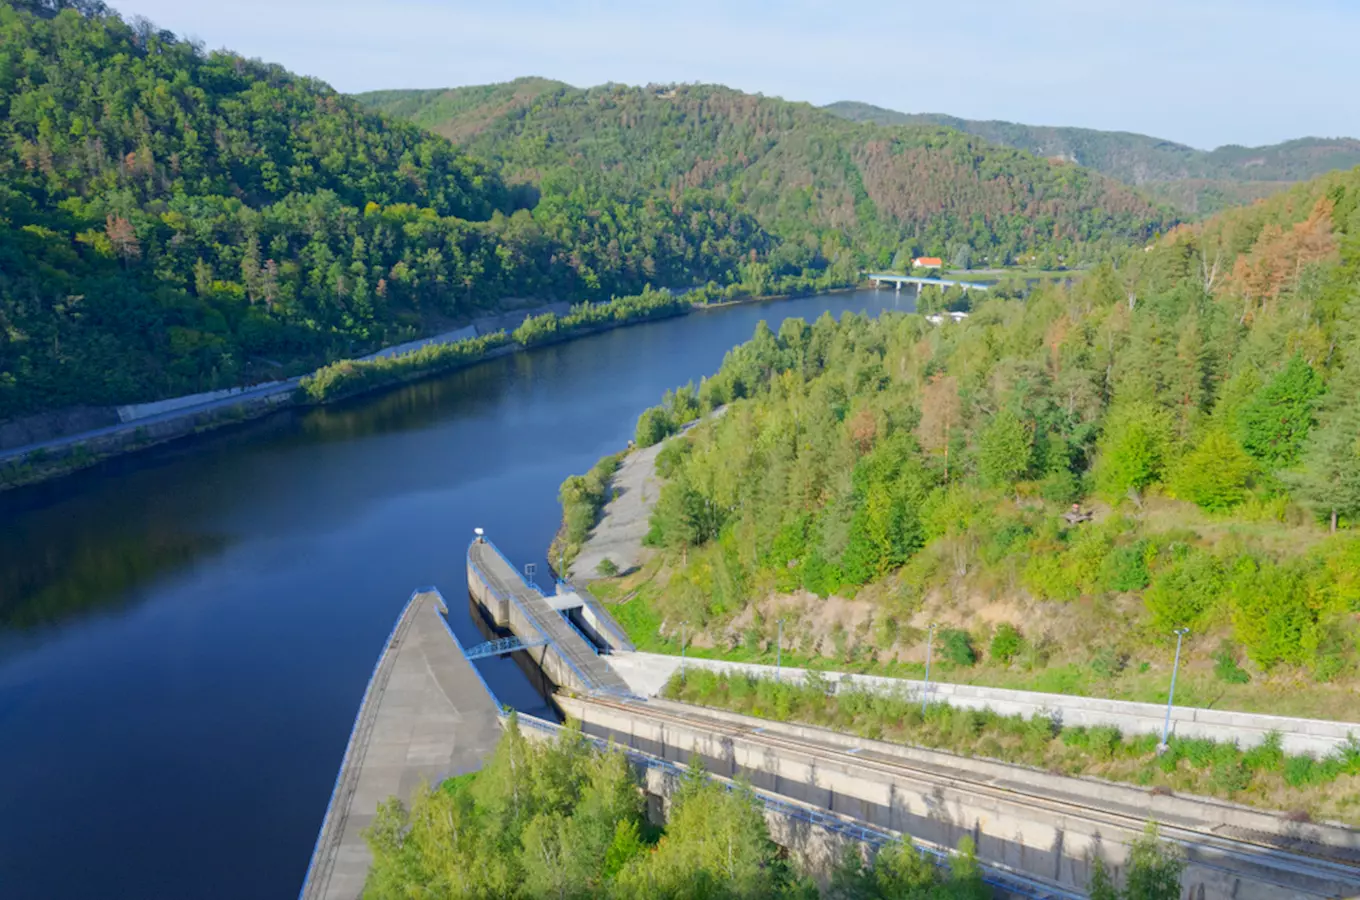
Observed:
{"x":1275,"y":423}
{"x":1005,"y":450}
{"x":1330,"y":481}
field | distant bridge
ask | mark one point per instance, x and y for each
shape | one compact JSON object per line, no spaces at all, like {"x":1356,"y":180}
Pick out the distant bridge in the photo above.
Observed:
{"x":887,"y":278}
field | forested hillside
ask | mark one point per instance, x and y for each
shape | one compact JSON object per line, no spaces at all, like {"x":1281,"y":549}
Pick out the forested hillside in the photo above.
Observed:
{"x":178,"y":221}
{"x":1200,"y":181}
{"x":1202,"y":401}
{"x":821,"y":183}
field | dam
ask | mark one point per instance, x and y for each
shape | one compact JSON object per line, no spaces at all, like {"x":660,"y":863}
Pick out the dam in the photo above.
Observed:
{"x":427,"y":715}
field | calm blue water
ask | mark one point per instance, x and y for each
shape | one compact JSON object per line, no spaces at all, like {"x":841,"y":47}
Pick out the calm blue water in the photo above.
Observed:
{"x":185,"y":635}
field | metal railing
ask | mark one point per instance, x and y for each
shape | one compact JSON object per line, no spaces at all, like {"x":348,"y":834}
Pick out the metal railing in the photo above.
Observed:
{"x":590,"y":683}
{"x":1002,"y":877}
{"x":349,"y":744}
{"x":499,"y":647}
{"x":585,"y":637}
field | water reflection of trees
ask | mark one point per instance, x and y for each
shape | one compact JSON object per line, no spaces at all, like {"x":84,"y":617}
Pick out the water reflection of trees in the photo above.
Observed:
{"x":43,"y":583}
{"x":413,"y":406}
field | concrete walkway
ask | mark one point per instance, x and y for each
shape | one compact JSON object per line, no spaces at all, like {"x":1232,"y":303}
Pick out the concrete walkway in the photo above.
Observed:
{"x":427,"y":715}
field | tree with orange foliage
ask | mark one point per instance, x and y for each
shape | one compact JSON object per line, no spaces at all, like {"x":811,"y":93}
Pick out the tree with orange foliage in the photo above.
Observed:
{"x":940,"y":409}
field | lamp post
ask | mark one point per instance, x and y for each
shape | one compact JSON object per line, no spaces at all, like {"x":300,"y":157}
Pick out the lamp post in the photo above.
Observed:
{"x":925,"y":694}
{"x":1171,"y":697}
{"x":682,"y":648}
{"x":778,"y":649}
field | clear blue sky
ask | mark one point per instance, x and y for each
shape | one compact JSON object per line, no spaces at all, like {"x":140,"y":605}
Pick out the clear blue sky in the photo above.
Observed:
{"x":1202,"y":72}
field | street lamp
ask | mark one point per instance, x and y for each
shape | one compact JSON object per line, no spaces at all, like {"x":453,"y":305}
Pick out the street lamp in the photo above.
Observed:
{"x":682,"y":648}
{"x":1171,"y":697}
{"x":925,"y":694}
{"x":778,"y":649}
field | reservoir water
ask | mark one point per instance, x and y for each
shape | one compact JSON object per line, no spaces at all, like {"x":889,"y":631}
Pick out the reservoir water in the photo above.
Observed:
{"x":185,"y":635}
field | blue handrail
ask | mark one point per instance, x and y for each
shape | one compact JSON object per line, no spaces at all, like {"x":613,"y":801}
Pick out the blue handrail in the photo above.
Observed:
{"x":499,"y":647}
{"x":533,"y":620}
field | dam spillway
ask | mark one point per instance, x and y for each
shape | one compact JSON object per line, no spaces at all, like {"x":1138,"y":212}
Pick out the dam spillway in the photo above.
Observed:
{"x":559,"y":648}
{"x":426,"y":716}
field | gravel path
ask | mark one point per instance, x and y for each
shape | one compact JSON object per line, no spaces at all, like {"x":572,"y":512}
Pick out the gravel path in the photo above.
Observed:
{"x":619,"y":534}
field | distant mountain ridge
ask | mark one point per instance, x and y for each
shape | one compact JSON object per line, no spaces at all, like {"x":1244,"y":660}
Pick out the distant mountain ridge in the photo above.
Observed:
{"x":1193,"y":179}
{"x":821,"y":184}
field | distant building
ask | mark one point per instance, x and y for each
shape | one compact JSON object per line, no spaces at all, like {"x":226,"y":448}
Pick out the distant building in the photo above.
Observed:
{"x":927,"y":262}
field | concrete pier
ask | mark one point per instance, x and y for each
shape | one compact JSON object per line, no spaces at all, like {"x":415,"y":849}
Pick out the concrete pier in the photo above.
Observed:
{"x":559,"y":649}
{"x":426,"y":716}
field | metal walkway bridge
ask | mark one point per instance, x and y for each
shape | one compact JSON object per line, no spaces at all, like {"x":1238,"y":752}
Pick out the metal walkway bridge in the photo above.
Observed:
{"x":500,"y":647}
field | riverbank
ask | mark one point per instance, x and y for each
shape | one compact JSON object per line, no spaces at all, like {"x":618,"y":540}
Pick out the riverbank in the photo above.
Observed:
{"x":382,"y":370}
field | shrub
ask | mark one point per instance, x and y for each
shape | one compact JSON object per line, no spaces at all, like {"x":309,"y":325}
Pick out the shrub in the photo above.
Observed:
{"x":1184,"y":593}
{"x":956,"y":645}
{"x":1267,"y":756}
{"x":607,"y":568}
{"x":1271,"y":612}
{"x":1006,"y":644}
{"x":1226,"y":668}
{"x":1062,"y":487}
{"x":1230,"y":776}
{"x":1047,"y":578}
{"x":1125,"y":569}
{"x":1108,"y":662}
{"x":1103,"y":741}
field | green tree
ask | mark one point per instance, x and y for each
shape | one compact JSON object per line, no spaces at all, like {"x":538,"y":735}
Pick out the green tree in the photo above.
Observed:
{"x":1214,"y":475}
{"x":1275,"y":423}
{"x":1154,"y":869}
{"x":1005,"y":449}
{"x":1133,"y":450}
{"x":1330,"y":479}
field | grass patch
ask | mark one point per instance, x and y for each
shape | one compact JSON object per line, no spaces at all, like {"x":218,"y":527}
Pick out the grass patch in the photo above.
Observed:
{"x":1264,"y":775}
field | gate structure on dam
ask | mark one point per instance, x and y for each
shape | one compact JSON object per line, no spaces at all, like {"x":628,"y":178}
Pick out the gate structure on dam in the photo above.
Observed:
{"x":427,"y":714}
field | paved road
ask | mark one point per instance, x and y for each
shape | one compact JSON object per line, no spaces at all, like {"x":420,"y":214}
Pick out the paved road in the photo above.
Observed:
{"x":282,"y":387}
{"x":427,"y":715}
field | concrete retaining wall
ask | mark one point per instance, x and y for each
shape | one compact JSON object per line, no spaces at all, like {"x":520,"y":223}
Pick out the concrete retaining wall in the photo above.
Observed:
{"x":134,"y":411}
{"x":646,"y":673}
{"x":603,"y":623}
{"x":1161,"y":806}
{"x":1055,"y":842}
{"x":815,"y":839}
